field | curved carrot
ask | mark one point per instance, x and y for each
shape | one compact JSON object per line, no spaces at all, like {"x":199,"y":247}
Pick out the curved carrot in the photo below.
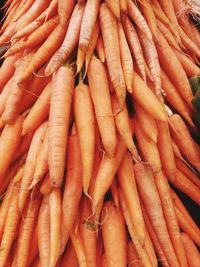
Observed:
{"x":64,"y":11}
{"x":114,"y":7}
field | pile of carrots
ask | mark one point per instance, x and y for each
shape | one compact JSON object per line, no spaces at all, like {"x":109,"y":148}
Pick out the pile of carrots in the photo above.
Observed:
{"x":97,"y":128}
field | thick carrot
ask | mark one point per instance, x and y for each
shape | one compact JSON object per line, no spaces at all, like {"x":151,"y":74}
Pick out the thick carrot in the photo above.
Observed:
{"x":105,"y":174}
{"x":64,"y":11}
{"x":46,"y":187}
{"x":135,"y":45}
{"x":100,"y":49}
{"x":111,"y":42}
{"x":100,"y":93}
{"x":188,"y":172}
{"x":88,"y":22}
{"x":170,"y":216}
{"x":59,"y":114}
{"x":23,"y":147}
{"x":55,"y":226}
{"x":182,"y":137}
{"x":30,"y":165}
{"x":123,"y":6}
{"x":25,"y":233}
{"x":126,"y":58}
{"x":9,"y":142}
{"x":114,"y":7}
{"x":149,"y":194}
{"x":70,"y":41}
{"x":84,"y":118}
{"x":123,"y":126}
{"x":73,"y":188}
{"x":191,"y":251}
{"x":129,"y":190}
{"x":44,"y":52}
{"x":44,"y":232}
{"x":39,"y":111}
{"x":70,"y":258}
{"x":143,"y":95}
{"x":146,"y":122}
{"x":132,"y":255}
{"x":88,"y":235}
{"x":114,"y":235}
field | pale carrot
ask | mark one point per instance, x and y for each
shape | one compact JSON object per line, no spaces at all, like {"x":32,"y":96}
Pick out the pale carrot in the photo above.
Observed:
{"x":129,"y":190}
{"x":99,"y":89}
{"x":126,"y":58}
{"x":100,"y":49}
{"x":55,"y":226}
{"x":64,"y":11}
{"x":44,"y":232}
{"x":146,"y":122}
{"x":114,"y":7}
{"x":88,"y":23}
{"x":111,"y":43}
{"x":70,"y":41}
{"x":135,"y":45}
{"x":59,"y":114}
{"x":114,"y":235}
{"x":84,"y":118}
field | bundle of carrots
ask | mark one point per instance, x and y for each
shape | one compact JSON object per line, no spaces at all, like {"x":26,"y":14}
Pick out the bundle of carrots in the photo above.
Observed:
{"x":97,"y":128}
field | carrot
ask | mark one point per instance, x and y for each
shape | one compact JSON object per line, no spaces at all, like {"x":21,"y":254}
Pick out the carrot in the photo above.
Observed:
{"x":148,"y":245}
{"x":9,"y":142}
{"x":44,"y":232}
{"x":73,"y":188}
{"x":100,"y":94}
{"x":135,"y":45}
{"x":46,"y":187}
{"x":44,"y":52}
{"x":30,"y":165}
{"x":70,"y":41}
{"x":168,"y":8}
{"x":132,"y":255}
{"x":138,"y":19}
{"x":88,"y":23}
{"x":4,"y":96}
{"x":115,"y":193}
{"x":147,"y":148}
{"x":70,"y":258}
{"x":191,"y":251}
{"x":123,"y":6}
{"x":149,"y":194}
{"x":184,"y":140}
{"x":84,"y":118}
{"x":173,"y":69}
{"x":100,"y":49}
{"x":126,"y":58}
{"x":114,"y":6}
{"x":129,"y":190}
{"x":80,"y":60}
{"x":6,"y":36}
{"x":146,"y":99}
{"x":190,"y":173}
{"x":146,"y":122}
{"x":105,"y":174}
{"x":12,"y":220}
{"x":64,"y":11}
{"x":55,"y":226}
{"x":195,"y":33}
{"x":34,"y":246}
{"x":60,"y":106}
{"x":140,"y":250}
{"x":114,"y":235}
{"x":156,"y":243}
{"x":38,"y":112}
{"x":23,"y":148}
{"x":111,"y":42}
{"x":25,"y":235}
{"x":88,"y":235}
{"x":173,"y":97}
{"x":170,"y":216}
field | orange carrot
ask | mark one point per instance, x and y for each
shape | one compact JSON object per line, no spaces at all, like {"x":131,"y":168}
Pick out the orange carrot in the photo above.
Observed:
{"x":44,"y":232}
{"x":135,"y":45}
{"x":100,"y":49}
{"x":114,"y":7}
{"x":46,"y":187}
{"x":105,"y":174}
{"x":9,"y":142}
{"x":149,"y":194}
{"x":88,"y":22}
{"x":111,"y":42}
{"x":70,"y":41}
{"x":191,"y":251}
{"x":30,"y":165}
{"x":126,"y":58}
{"x":146,"y":122}
{"x":115,"y":193}
{"x":123,"y":6}
{"x":99,"y":89}
{"x":80,"y":60}
{"x":64,"y":11}
{"x":84,"y":118}
{"x":73,"y":188}
{"x":114,"y":235}
{"x":129,"y":190}
{"x":60,"y":106}
{"x":55,"y":226}
{"x":132,"y":255}
{"x":70,"y":258}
